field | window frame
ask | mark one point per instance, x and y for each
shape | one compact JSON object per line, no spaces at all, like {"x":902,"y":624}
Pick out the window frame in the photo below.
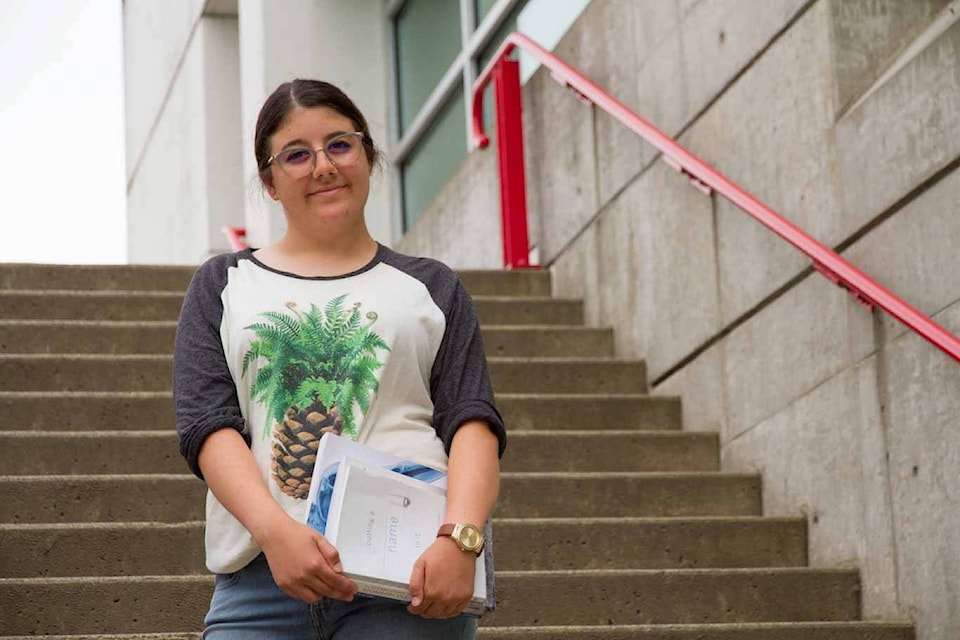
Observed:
{"x":461,"y":74}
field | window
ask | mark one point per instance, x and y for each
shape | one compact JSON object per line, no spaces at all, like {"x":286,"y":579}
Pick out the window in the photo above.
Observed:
{"x":439,"y":47}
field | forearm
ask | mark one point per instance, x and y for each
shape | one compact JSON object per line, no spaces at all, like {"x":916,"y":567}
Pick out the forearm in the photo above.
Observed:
{"x":473,"y":474}
{"x":233,"y":477}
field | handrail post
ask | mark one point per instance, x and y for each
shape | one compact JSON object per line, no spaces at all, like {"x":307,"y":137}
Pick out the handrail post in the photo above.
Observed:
{"x":513,"y":190}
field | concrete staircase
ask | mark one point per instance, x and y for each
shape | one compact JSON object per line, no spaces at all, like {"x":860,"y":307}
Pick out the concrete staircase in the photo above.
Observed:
{"x":612,"y":522}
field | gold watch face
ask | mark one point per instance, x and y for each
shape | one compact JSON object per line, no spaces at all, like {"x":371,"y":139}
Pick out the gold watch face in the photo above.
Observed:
{"x":469,"y":537}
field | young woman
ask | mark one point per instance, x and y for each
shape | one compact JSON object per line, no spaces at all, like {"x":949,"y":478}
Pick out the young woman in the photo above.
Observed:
{"x":325,"y":330}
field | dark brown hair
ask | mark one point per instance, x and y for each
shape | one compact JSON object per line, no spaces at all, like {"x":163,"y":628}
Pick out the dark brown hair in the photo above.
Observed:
{"x":305,"y":93}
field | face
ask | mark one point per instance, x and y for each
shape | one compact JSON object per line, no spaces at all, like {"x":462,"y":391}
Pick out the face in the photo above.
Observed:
{"x":331,"y":193}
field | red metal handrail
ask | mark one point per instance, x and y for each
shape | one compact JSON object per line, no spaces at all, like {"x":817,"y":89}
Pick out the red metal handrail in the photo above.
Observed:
{"x":826,"y":261}
{"x":236,"y":236}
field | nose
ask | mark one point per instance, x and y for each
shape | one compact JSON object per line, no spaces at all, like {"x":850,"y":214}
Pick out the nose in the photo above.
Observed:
{"x":324,"y":165}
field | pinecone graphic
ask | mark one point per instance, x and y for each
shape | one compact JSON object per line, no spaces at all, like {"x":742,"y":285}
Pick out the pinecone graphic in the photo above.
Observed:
{"x":295,"y":443}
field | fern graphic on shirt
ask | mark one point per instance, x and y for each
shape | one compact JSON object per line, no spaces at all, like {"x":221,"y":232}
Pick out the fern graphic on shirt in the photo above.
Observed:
{"x":317,"y":366}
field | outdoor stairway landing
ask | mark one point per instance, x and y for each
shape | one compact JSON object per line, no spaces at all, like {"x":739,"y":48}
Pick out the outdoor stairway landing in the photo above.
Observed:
{"x":612,"y":523}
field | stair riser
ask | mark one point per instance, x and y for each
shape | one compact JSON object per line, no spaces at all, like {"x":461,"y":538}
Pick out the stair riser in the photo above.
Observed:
{"x":587,"y":414}
{"x":71,"y":413}
{"x":104,"y":606}
{"x":131,"y":606}
{"x":28,"y":338}
{"x":128,"y":550}
{"x":16,"y":305}
{"x":116,"y":306}
{"x":568,"y":377}
{"x":108,"y":412}
{"x":798,"y":631}
{"x":55,"y":454}
{"x":664,"y":544}
{"x":88,"y":277}
{"x":637,"y":496}
{"x":575,"y":451}
{"x":154,"y":373}
{"x":123,"y":550}
{"x":544,"y":342}
{"x":52,"y":453}
{"x":175,"y":278}
{"x":50,"y":337}
{"x":533,"y":311}
{"x":143,"y":373}
{"x":66,"y":499}
{"x":675,"y":597}
{"x":506,"y":283}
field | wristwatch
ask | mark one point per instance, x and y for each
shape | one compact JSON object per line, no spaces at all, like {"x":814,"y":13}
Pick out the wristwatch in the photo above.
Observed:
{"x":467,"y":536}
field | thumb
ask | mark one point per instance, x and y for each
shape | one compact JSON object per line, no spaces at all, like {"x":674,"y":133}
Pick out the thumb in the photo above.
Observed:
{"x":330,"y":553}
{"x":417,"y":578}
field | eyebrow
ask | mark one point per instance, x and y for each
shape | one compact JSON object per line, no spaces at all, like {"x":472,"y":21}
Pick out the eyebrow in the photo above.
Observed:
{"x":299,"y":142}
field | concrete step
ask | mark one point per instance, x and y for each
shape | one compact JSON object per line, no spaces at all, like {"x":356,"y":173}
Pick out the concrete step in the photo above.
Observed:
{"x":734,"y":631}
{"x":630,"y":450}
{"x":102,"y":277}
{"x":520,"y":282}
{"x":146,"y":604}
{"x":86,"y":336}
{"x":90,"y":305}
{"x":127,"y":549}
{"x":589,"y":411}
{"x":113,"y":636}
{"x":567,"y":375}
{"x":102,"y":549}
{"x":87,"y":372}
{"x":620,"y":495}
{"x":143,"y":337}
{"x":45,"y":372}
{"x":526,"y":282}
{"x":534,"y":598}
{"x":148,"y":410}
{"x":548,"y":341}
{"x":24,"y":411}
{"x":130,"y":452}
{"x":180,"y":497}
{"x":90,"y":452}
{"x":532,"y":544}
{"x":158,"y":306}
{"x":528,"y":311}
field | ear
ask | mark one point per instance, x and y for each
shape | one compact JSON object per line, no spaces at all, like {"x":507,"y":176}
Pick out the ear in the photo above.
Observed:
{"x":272,"y":191}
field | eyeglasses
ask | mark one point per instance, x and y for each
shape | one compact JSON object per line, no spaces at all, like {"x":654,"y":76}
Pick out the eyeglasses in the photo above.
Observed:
{"x":300,"y":162}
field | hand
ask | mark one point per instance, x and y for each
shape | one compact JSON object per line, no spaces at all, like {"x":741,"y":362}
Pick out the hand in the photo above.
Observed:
{"x":304,"y":564}
{"x":441,"y":584}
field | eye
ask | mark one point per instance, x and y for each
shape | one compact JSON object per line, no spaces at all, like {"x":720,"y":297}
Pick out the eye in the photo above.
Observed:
{"x":295,"y":156}
{"x":340,"y":145}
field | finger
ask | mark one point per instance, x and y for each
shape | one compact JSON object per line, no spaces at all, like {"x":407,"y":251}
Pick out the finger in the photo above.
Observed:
{"x":417,"y":579}
{"x":330,"y":553}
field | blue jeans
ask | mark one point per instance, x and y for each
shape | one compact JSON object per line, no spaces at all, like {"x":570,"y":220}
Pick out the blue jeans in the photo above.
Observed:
{"x":248,"y":605}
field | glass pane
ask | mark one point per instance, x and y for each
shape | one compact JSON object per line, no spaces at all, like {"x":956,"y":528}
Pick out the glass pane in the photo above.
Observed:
{"x":428,"y":41}
{"x":435,"y":158}
{"x":482,"y":8}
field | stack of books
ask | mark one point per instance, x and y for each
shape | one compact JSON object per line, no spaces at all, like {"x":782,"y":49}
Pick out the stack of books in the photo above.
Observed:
{"x":381,"y":513}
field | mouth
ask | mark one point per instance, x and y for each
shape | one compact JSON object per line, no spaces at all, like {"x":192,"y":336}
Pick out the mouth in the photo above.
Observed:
{"x":326,"y":192}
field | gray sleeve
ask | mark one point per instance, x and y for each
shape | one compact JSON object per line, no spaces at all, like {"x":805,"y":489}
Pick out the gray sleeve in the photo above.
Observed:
{"x":459,"y":381}
{"x":204,"y":393}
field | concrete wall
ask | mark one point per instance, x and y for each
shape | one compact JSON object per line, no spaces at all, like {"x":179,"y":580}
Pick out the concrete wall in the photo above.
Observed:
{"x":842,"y":115}
{"x":184,"y":179}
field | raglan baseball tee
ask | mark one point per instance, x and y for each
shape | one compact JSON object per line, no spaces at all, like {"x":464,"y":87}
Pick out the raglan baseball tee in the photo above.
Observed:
{"x":398,"y":340}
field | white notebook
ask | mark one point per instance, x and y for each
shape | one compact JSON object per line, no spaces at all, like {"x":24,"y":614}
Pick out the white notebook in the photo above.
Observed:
{"x":381,"y":521}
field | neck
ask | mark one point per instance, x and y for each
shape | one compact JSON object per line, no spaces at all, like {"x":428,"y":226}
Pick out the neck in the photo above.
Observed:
{"x":326,"y":252}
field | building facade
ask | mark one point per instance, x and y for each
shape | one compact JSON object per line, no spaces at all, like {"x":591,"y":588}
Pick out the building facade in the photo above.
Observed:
{"x":843,"y":115}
